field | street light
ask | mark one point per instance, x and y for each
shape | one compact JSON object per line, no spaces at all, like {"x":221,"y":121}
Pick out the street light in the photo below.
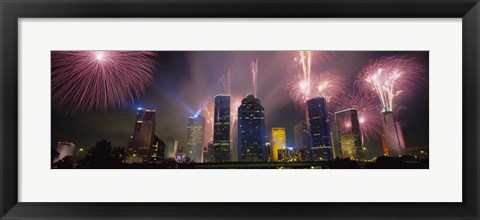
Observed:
{"x":76,"y":157}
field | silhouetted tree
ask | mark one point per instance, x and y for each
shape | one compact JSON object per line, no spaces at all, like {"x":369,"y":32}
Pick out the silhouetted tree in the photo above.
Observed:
{"x":384,"y":162}
{"x":344,"y":163}
{"x":103,"y":155}
{"x":65,"y":163}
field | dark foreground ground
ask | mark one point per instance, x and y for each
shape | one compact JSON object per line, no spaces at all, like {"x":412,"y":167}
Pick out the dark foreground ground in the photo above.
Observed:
{"x":380,"y":163}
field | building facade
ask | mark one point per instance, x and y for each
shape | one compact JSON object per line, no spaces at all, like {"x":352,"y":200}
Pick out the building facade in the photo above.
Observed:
{"x":302,"y":138}
{"x":319,"y":130}
{"x":278,"y":143}
{"x":138,"y":150}
{"x":251,"y":130}
{"x":195,"y":135}
{"x":157,"y":154}
{"x":221,"y":128}
{"x":393,"y":134}
{"x":350,"y":139}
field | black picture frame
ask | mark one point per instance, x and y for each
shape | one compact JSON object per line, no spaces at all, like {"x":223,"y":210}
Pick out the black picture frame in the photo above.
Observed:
{"x":12,"y":10}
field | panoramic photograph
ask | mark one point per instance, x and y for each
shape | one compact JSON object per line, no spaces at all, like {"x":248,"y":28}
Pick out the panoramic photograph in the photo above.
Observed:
{"x":239,"y":109}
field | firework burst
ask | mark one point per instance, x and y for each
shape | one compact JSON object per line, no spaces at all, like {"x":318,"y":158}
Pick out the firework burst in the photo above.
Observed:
{"x":367,"y":107}
{"x":328,"y":84}
{"x":87,"y":80}
{"x":306,"y":85}
{"x":391,"y":77}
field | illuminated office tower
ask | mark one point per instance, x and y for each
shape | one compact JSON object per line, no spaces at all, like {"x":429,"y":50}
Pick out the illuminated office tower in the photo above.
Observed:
{"x":278,"y":143}
{"x":195,"y":134}
{"x":335,"y":141}
{"x":171,"y":148}
{"x":208,"y":153}
{"x":349,"y":135}
{"x":138,"y":150}
{"x":302,"y":138}
{"x":319,"y":130}
{"x":221,"y":128}
{"x":393,"y":134}
{"x":64,"y":149}
{"x":251,"y":130}
{"x":157,"y":150}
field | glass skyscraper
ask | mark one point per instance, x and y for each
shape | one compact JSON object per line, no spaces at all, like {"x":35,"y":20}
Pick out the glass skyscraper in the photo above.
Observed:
{"x":157,"y":154}
{"x":195,"y":134}
{"x":319,"y":130}
{"x":221,"y":128}
{"x":302,"y":138}
{"x":393,"y":134}
{"x":138,"y":150}
{"x":348,"y":128}
{"x":251,"y":130}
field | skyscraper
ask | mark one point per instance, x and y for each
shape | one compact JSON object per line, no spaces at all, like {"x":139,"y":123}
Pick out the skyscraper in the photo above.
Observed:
{"x":393,"y":134}
{"x":157,"y":150}
{"x":138,"y":150}
{"x":208,"y":153}
{"x":251,"y":130}
{"x":278,"y":143}
{"x":319,"y":130}
{"x":195,"y":134}
{"x":221,"y":128}
{"x":302,"y":139}
{"x":349,"y":135}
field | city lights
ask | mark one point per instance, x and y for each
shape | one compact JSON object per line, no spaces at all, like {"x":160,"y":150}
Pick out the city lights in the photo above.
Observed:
{"x":240,"y":109}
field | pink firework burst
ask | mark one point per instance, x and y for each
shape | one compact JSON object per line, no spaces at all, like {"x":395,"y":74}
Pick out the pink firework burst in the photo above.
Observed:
{"x":306,"y":84}
{"x":87,"y":80}
{"x":390,"y":77}
{"x":367,"y":106}
{"x":328,"y":84}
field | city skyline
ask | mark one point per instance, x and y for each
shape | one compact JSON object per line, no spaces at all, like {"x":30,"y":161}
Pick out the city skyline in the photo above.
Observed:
{"x":280,"y":110}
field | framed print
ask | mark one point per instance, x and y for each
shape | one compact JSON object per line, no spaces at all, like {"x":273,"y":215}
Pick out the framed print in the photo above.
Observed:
{"x":226,"y":109}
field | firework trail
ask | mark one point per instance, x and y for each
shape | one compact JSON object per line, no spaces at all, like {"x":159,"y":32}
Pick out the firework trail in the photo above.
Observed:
{"x":306,"y":85}
{"x":87,"y":80}
{"x":306,"y":62}
{"x":227,"y":82}
{"x":391,"y":76}
{"x":367,"y":107}
{"x":328,"y":84}
{"x":254,"y":68}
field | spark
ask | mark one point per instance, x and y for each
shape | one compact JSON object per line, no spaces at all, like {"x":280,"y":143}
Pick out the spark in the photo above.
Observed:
{"x":87,"y":80}
{"x":391,"y":77}
{"x":306,"y":84}
{"x":367,"y":106}
{"x":328,"y":84}
{"x":226,"y":81}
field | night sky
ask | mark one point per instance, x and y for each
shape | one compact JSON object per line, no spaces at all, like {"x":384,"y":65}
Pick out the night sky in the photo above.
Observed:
{"x":183,"y":80}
